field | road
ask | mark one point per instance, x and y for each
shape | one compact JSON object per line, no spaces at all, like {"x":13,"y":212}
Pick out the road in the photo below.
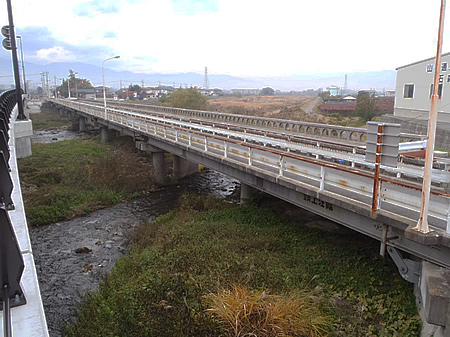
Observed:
{"x":309,"y":109}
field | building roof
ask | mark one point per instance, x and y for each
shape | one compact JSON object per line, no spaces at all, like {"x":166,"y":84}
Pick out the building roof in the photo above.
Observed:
{"x":417,"y":62}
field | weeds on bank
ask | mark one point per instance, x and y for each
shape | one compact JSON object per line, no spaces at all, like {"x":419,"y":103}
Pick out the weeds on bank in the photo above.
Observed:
{"x":187,"y":261}
{"x":69,"y":178}
{"x":48,"y":119}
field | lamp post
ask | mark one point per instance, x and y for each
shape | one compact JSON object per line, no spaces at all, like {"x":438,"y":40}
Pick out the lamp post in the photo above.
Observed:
{"x":76,"y":88}
{"x":68,"y":86}
{"x":103,"y":75}
{"x":23,"y":65}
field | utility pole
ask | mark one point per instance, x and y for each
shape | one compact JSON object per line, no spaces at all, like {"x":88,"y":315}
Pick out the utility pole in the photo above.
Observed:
{"x":205,"y":82}
{"x":48,"y":87}
{"x":12,"y":36}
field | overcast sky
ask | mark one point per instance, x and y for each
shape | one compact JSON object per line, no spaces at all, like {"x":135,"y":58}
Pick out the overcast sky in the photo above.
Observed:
{"x":235,"y":37}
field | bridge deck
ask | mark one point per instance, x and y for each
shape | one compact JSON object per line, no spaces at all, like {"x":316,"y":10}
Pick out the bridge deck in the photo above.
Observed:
{"x":341,"y":192}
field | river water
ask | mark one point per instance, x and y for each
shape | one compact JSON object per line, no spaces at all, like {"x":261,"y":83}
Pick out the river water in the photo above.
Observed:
{"x":72,"y":256}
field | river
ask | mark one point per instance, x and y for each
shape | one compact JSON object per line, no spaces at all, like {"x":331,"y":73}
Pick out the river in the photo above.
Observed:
{"x":72,"y":256}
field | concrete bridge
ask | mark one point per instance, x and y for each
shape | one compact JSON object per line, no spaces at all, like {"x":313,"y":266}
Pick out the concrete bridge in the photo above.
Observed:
{"x":318,"y":167}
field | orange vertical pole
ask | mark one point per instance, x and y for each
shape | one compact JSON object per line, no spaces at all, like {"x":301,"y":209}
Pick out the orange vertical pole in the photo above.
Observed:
{"x":422,"y":224}
{"x":376,"y":178}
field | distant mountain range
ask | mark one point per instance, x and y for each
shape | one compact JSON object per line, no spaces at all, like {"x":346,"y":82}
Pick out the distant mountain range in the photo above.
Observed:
{"x":357,"y":80}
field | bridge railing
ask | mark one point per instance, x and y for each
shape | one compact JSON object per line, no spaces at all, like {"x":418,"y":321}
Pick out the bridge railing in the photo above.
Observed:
{"x":313,"y":129}
{"x":11,"y":261}
{"x":345,"y":183}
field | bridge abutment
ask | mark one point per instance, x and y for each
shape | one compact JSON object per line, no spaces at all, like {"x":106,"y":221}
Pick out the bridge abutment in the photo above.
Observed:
{"x":433,"y":294}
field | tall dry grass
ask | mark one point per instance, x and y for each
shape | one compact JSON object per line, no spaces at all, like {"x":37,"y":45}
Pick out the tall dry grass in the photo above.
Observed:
{"x":246,"y":312}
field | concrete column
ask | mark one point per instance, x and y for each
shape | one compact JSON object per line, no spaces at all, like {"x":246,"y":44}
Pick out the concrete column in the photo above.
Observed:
{"x":183,"y":167}
{"x":104,"y":134}
{"x":247,"y":192}
{"x":434,"y":291}
{"x":159,"y":167}
{"x":23,"y":130}
{"x":61,"y":112}
{"x":69,"y":115}
{"x":82,"y":126}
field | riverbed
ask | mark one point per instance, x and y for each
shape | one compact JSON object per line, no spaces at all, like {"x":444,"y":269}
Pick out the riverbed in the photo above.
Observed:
{"x":73,"y":256}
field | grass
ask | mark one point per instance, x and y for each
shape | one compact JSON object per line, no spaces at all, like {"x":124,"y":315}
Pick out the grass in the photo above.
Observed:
{"x":48,"y":119}
{"x":74,"y":177}
{"x":205,"y":252}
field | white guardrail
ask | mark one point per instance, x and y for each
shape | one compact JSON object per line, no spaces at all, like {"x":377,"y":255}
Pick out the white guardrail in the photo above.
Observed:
{"x":278,"y":158}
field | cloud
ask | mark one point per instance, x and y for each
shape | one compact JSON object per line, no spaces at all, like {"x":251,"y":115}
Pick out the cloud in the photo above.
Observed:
{"x":195,"y":7}
{"x":94,"y":7}
{"x":110,"y":34}
{"x":55,"y":54}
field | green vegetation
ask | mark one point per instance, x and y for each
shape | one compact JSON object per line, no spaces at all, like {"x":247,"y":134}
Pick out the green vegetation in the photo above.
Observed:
{"x":189,"y":98}
{"x":199,"y":254}
{"x":48,"y":119}
{"x":73,"y":177}
{"x":267,"y":91}
{"x":366,"y":108}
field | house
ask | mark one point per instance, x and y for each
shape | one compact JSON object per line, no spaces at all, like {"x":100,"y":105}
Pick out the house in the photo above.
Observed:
{"x":348,"y":99}
{"x":156,"y":92}
{"x":414,"y":87}
{"x":88,"y":93}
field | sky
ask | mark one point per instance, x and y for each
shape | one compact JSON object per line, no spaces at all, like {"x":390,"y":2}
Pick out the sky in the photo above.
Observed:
{"x":248,"y":38}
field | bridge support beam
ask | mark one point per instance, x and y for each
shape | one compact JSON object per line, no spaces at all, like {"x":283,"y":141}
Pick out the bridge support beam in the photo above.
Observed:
{"x":183,"y":167}
{"x":247,"y":192}
{"x":104,"y":134}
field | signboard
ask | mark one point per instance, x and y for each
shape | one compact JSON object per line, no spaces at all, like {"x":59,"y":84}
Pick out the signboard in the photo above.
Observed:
{"x":389,"y":145}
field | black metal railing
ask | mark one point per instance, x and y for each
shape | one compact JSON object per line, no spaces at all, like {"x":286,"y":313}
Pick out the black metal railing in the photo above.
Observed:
{"x":11,"y":260}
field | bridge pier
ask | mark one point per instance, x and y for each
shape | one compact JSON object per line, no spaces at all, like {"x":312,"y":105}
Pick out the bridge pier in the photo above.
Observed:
{"x":82,"y":124}
{"x":158,"y":161}
{"x":104,"y":134}
{"x":247,"y":192}
{"x":183,"y":167}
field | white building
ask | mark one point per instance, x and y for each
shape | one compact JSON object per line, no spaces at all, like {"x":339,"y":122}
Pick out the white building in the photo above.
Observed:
{"x":414,"y":88}
{"x":334,"y":90}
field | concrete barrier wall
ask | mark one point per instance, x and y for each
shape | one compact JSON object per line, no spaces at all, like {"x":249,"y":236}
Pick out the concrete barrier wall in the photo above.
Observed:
{"x":409,"y":126}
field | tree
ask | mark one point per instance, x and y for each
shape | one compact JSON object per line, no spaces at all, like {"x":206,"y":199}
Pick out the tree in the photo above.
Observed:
{"x":74,"y":82}
{"x":188,"y":99}
{"x":366,"y":108}
{"x":267,"y":91}
{"x":135,"y":87}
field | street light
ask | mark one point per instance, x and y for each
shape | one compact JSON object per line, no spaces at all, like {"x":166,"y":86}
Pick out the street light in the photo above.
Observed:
{"x":76,"y":87}
{"x":103,"y":75}
{"x":23,"y":65}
